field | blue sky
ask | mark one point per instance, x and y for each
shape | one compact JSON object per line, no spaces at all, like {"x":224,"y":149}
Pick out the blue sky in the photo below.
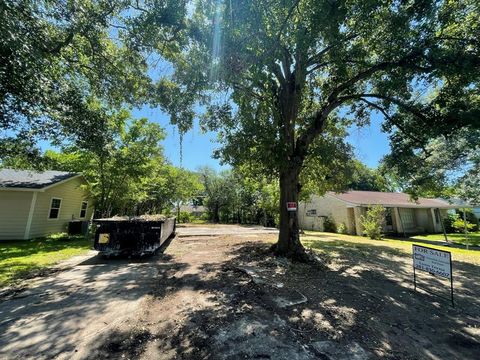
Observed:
{"x":370,"y":142}
{"x":197,"y":146}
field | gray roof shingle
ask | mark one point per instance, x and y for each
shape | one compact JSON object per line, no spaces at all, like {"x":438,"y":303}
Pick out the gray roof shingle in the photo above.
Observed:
{"x":10,"y":178}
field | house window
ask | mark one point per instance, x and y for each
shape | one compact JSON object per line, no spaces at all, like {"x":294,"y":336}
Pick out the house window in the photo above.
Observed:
{"x":312,"y":212}
{"x":437,"y":216}
{"x":83,"y":209}
{"x":55,"y":208}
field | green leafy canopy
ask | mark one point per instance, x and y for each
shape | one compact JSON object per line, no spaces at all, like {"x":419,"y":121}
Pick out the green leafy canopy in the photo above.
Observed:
{"x":276,"y":75}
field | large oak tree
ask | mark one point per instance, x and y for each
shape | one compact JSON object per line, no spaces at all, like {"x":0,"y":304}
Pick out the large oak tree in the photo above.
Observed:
{"x":291,"y":71}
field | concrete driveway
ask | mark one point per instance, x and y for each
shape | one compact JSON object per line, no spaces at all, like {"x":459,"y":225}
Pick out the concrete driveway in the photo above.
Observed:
{"x":63,"y":315}
{"x":58,"y":316}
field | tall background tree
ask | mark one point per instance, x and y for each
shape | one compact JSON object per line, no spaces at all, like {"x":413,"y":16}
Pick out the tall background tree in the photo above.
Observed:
{"x":291,"y":72}
{"x":239,"y":196}
{"x":54,"y":55}
{"x":438,"y":164}
{"x":118,"y":163}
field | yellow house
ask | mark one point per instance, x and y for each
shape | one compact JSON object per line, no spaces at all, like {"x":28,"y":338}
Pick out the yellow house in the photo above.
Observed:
{"x":35,"y":204}
{"x":402,"y":216}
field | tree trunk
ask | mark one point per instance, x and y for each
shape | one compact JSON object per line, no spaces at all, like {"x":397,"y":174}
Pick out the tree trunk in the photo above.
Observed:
{"x":216,"y":215}
{"x":289,"y":244}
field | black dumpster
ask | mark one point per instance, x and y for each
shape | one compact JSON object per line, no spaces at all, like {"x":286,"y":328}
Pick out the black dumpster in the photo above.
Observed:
{"x":139,"y":235}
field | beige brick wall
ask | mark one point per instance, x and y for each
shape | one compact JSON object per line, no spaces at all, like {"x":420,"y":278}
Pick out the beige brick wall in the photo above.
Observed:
{"x":423,"y":220}
{"x":325,"y":206}
{"x":328,"y":205}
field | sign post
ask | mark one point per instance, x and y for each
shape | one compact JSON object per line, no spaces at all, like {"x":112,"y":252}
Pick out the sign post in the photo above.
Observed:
{"x":435,"y":262}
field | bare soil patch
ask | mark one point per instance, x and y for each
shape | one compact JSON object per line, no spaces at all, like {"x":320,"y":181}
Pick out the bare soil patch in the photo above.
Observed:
{"x":204,"y":305}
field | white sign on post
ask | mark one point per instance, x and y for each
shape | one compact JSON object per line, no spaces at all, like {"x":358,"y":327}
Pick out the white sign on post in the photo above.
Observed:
{"x":433,"y":261}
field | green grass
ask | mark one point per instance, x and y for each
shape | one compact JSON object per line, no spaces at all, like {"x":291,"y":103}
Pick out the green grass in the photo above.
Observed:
{"x":328,"y":241}
{"x":199,"y":221}
{"x":23,"y":259}
{"x":473,"y":238}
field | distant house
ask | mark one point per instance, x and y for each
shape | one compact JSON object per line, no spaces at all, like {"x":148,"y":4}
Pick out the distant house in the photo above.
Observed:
{"x":34,"y":204}
{"x":461,"y":204}
{"x":195,"y":210}
{"x":403,"y":216}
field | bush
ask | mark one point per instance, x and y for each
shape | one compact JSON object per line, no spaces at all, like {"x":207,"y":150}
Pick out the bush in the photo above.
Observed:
{"x":205,"y":216}
{"x":459,"y":226}
{"x":185,"y":217}
{"x":342,"y":228}
{"x":448,"y":222}
{"x":329,"y":224}
{"x":455,"y":223}
{"x":372,"y":222}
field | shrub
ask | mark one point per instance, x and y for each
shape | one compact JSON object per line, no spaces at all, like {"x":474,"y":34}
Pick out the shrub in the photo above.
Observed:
{"x":329,"y":224}
{"x":185,"y":217}
{"x":448,"y":222}
{"x":459,"y":226}
{"x":342,"y":228}
{"x":455,"y":223}
{"x":372,"y":221}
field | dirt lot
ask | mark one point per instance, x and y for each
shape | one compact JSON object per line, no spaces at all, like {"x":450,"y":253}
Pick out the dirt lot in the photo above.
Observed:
{"x":224,"y":297}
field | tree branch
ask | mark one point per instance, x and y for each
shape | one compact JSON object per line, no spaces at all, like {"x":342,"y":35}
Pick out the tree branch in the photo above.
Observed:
{"x":316,"y":127}
{"x":407,"y":61}
{"x":312,"y":60}
{"x":287,"y":18}
{"x":397,"y":124}
{"x":320,"y":117}
{"x":388,"y":98}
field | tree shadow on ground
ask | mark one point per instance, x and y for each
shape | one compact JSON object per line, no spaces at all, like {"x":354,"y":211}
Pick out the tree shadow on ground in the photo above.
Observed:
{"x":47,"y":319}
{"x":364,"y":296}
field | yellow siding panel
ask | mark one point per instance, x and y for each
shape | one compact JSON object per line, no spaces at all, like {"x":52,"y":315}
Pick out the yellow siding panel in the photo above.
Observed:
{"x":72,"y":195}
{"x":14,"y":209}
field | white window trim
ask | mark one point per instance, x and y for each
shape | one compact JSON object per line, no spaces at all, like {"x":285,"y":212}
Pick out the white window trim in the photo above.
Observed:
{"x":86,"y":210}
{"x":50,"y":208}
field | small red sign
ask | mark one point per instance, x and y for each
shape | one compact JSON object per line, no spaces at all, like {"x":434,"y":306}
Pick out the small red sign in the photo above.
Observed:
{"x":291,"y":206}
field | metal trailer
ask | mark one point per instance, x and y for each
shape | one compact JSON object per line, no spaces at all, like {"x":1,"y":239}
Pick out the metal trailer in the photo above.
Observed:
{"x":132,"y":236}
